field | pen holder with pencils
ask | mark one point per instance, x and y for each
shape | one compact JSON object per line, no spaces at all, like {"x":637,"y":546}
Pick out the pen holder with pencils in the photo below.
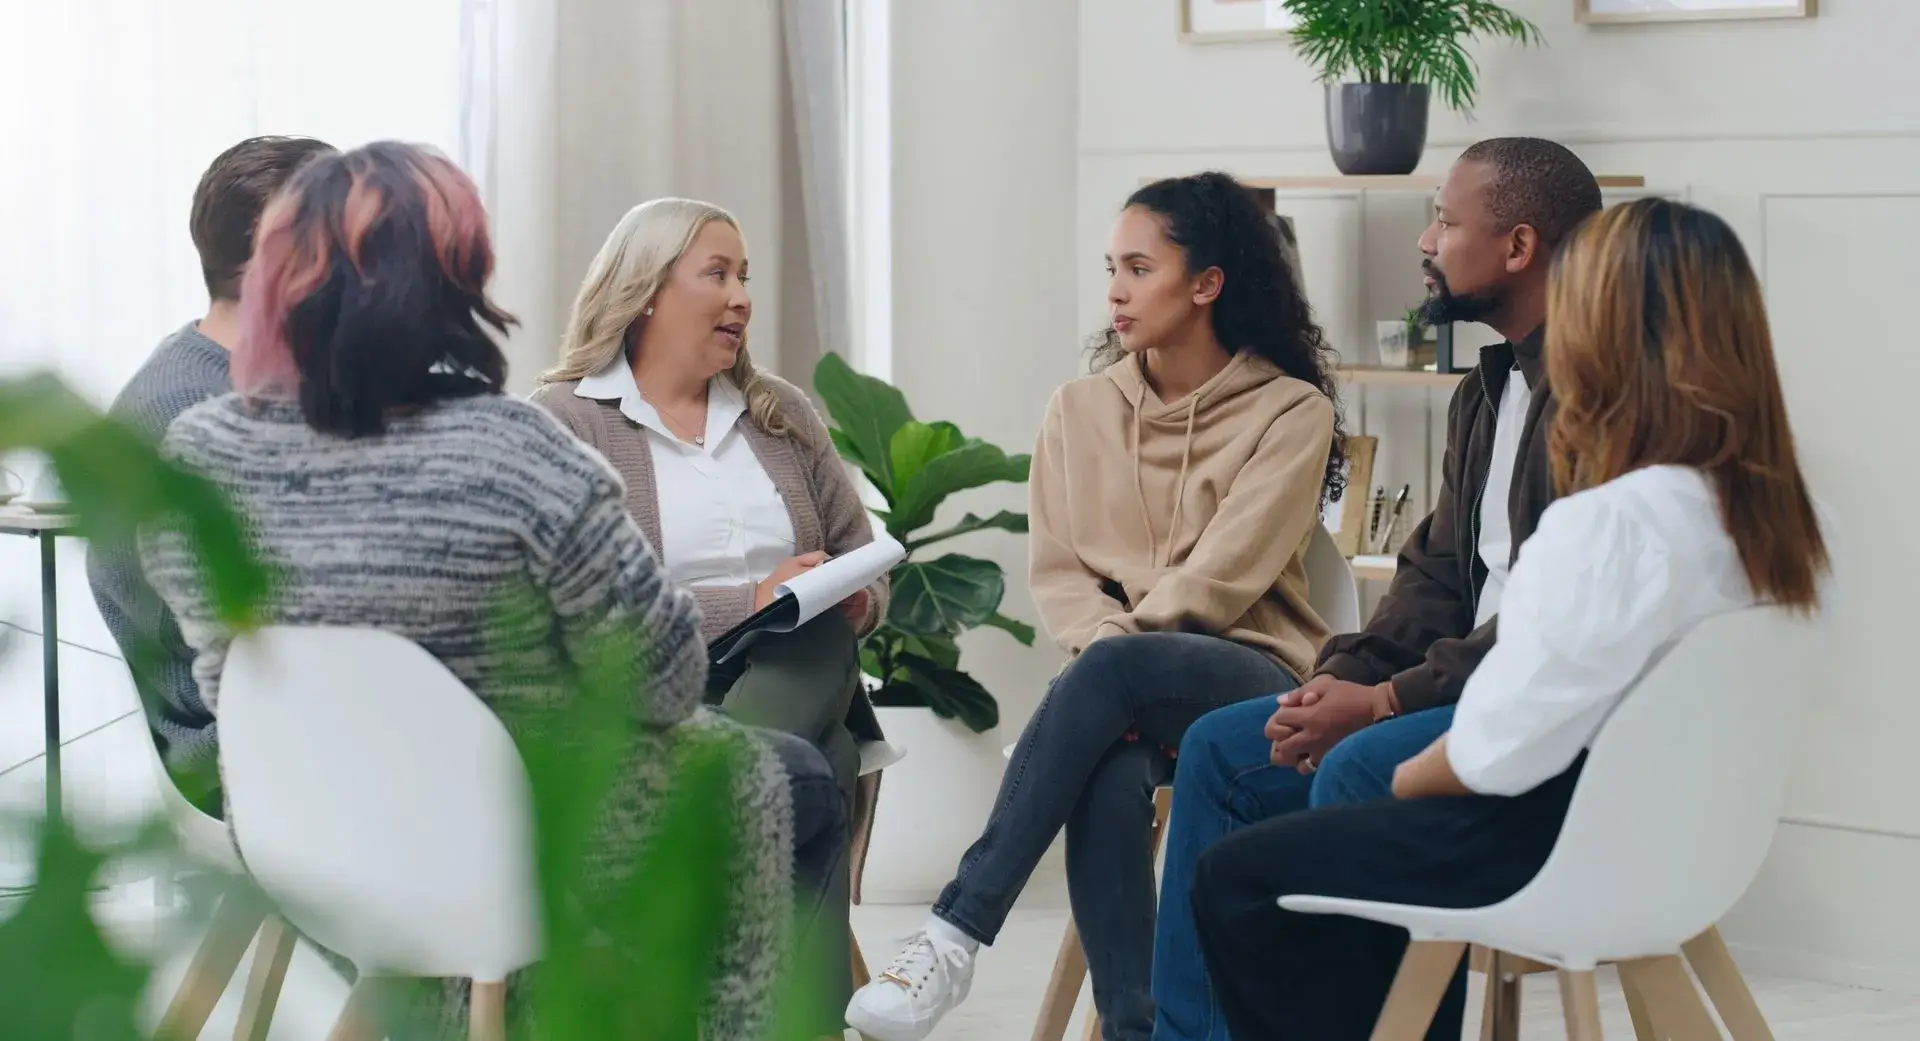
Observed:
{"x":1389,"y":520}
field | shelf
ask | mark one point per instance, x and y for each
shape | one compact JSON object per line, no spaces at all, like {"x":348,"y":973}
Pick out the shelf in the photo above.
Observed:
{"x":1404,"y":183}
{"x":1379,"y":568}
{"x":1378,"y":377}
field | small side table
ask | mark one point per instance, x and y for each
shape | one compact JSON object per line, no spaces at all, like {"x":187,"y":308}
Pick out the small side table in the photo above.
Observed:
{"x":46,"y":528}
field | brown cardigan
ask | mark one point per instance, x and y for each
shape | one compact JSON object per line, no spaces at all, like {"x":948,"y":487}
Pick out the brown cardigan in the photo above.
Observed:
{"x":821,"y":499}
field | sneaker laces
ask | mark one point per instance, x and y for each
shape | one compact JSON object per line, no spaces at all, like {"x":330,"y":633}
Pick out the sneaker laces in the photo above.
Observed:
{"x":917,"y":962}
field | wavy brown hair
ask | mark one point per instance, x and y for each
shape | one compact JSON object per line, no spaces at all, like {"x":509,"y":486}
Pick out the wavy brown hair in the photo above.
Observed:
{"x":1658,"y":354}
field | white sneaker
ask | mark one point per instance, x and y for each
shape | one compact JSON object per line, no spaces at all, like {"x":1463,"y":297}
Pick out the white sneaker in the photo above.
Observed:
{"x":927,"y":979}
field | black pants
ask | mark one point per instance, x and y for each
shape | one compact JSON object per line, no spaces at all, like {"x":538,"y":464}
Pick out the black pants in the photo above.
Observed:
{"x":1283,"y":976}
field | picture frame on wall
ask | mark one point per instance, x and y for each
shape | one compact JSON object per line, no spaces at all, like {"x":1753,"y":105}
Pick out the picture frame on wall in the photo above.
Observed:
{"x":1610,"y":12}
{"x":1225,"y":21}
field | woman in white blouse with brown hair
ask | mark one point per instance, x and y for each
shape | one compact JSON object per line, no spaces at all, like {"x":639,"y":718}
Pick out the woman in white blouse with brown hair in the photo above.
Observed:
{"x":729,"y":472}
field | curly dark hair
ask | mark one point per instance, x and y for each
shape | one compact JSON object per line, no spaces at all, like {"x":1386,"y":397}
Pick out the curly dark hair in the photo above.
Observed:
{"x":1217,"y":222}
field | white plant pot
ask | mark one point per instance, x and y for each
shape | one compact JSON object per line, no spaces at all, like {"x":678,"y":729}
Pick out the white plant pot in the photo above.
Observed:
{"x":933,"y":804}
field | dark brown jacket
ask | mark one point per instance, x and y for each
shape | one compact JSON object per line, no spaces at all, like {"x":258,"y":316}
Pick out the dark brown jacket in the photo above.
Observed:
{"x":1422,"y":636}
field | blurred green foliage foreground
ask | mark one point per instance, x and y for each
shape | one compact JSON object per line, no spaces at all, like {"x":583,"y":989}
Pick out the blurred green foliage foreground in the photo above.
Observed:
{"x":632,"y":966}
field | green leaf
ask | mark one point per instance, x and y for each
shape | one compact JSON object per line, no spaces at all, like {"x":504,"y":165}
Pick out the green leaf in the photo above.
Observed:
{"x":946,"y":595}
{"x":59,"y":979}
{"x":117,"y":481}
{"x":941,"y":649}
{"x":1005,"y":520}
{"x":917,"y":444}
{"x":867,"y":412}
{"x":971,"y":465}
{"x":1018,"y":630}
{"x":950,"y":693}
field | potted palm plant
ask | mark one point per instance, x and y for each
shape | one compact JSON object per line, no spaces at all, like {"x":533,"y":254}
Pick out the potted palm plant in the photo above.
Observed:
{"x":1382,"y":60}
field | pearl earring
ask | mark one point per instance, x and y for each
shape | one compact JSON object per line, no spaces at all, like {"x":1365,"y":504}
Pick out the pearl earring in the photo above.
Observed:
{"x":649,"y":312}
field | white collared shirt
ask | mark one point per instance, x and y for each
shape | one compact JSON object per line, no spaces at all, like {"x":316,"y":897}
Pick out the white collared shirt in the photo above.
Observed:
{"x":1612,"y":577}
{"x":1496,"y":527}
{"x":722,"y":521}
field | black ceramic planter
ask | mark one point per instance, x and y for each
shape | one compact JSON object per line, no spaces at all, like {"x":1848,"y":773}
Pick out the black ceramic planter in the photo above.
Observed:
{"x":1377,"y":128}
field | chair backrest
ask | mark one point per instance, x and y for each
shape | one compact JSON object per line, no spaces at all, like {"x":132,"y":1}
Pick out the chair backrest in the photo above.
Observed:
{"x":379,"y":802}
{"x":1681,"y":793}
{"x":1330,"y":587}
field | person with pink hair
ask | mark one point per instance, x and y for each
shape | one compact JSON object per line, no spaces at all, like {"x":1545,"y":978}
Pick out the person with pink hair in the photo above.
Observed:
{"x":390,"y":483}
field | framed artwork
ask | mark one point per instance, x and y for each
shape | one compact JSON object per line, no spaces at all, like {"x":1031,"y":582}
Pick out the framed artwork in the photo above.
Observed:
{"x":1223,"y":21}
{"x":1345,"y":518}
{"x":1606,"y":12}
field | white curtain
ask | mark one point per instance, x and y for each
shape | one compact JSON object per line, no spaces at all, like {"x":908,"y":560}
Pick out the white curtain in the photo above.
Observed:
{"x":110,"y":110}
{"x":598,"y":105}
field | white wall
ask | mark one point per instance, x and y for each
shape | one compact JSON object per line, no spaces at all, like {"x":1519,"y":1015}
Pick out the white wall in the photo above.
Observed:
{"x":984,"y":117}
{"x":1775,"y":126}
{"x":983,"y":128}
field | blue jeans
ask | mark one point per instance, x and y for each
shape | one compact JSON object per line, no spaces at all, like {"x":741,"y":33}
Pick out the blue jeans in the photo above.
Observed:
{"x":1073,"y":770}
{"x":1224,"y":782}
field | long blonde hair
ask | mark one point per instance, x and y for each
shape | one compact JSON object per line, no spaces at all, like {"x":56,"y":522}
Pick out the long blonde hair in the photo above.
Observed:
{"x":623,"y":279}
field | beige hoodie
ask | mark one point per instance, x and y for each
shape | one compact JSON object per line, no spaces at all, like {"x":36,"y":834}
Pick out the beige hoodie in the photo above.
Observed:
{"x":1190,"y":516}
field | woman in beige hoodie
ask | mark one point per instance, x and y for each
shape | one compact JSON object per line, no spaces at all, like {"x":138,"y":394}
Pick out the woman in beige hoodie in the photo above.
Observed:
{"x":1174,"y":491}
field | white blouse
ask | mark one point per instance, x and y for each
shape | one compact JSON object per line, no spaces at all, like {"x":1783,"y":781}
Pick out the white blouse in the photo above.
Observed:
{"x":1612,"y":577}
{"x":722,"y":521}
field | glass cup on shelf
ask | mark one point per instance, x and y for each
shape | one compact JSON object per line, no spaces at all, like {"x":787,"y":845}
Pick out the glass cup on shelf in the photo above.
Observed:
{"x":1392,"y":339}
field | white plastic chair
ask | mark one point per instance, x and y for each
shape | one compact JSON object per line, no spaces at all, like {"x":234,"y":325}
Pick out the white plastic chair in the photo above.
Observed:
{"x":201,"y":844}
{"x":1330,"y":587}
{"x":1332,"y":594}
{"x":384,"y":809}
{"x":1669,"y":824}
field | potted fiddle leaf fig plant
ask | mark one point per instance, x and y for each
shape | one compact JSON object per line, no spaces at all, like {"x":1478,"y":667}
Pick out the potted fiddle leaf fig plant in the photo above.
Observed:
{"x":1381,"y":61}
{"x":915,"y":466}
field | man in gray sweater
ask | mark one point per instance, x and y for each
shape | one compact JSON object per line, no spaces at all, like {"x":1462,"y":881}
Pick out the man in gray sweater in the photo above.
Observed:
{"x":189,"y":367}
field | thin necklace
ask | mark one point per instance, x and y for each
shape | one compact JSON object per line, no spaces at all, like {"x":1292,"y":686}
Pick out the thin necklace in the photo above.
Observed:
{"x":698,"y":439}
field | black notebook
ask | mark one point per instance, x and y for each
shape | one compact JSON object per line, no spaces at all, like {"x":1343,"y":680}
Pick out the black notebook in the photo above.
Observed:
{"x":800,"y":599}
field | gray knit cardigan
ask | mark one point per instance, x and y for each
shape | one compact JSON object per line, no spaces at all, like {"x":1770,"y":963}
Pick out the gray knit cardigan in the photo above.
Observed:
{"x":419,"y":531}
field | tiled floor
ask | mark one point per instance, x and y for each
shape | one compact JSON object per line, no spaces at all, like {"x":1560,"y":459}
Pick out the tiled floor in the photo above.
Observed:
{"x":109,"y":783}
{"x":1012,"y":975}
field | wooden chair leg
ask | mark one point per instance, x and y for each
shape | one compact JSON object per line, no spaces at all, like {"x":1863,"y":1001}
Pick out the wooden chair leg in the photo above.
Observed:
{"x":270,"y":958}
{"x":1063,"y":990}
{"x":1580,"y":1001}
{"x":360,"y":1019}
{"x":1672,"y":1002}
{"x":1500,"y":1011}
{"x":1070,"y":965}
{"x":1417,"y":989}
{"x":487,"y":1012}
{"x":234,"y":922}
{"x":1725,"y":987}
{"x":1643,"y":1028}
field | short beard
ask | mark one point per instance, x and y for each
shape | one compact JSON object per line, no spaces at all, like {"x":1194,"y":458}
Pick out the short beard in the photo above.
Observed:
{"x":1445,"y":307}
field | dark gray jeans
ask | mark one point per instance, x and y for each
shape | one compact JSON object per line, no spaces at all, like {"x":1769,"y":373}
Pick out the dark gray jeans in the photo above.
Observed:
{"x":1074,"y":768}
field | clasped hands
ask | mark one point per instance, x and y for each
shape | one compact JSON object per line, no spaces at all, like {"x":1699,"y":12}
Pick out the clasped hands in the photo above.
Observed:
{"x":853,"y":607}
{"x":1311,"y":720}
{"x":1314,"y":718}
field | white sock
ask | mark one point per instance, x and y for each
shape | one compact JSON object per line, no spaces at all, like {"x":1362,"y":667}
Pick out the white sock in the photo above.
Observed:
{"x":943,"y":931}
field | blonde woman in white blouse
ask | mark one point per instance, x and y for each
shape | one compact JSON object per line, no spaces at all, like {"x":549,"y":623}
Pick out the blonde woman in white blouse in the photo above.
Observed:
{"x":732,"y":477}
{"x":1684,"y":500}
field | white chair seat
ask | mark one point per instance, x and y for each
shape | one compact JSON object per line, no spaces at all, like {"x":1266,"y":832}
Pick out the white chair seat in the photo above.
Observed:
{"x":876,"y":756}
{"x":1671,"y":818}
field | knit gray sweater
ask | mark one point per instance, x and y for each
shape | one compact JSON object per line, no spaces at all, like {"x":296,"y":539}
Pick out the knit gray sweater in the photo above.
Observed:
{"x":185,"y":370}
{"x":420,"y":531}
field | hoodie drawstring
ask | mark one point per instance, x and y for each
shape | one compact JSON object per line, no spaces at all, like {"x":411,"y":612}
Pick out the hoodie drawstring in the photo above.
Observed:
{"x":1179,"y":486}
{"x":1140,"y":490}
{"x":1154,"y":557}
